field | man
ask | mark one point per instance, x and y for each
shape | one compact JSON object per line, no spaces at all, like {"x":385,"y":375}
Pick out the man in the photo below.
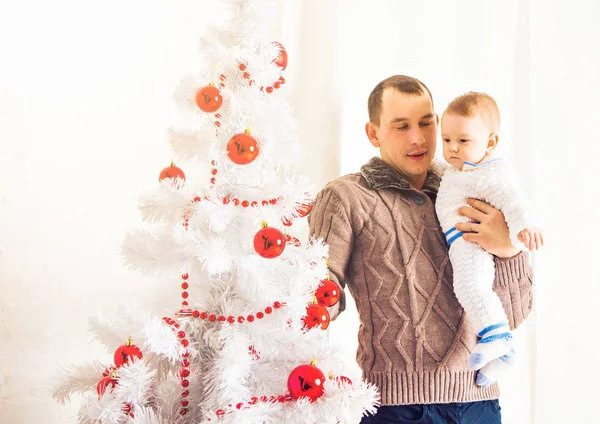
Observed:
{"x":386,"y":245}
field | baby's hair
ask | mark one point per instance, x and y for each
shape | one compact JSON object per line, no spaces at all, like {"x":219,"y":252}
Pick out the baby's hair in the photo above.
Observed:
{"x":473,"y":103}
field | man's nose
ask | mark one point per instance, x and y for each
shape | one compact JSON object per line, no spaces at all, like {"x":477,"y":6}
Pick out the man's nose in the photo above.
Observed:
{"x":418,"y":137}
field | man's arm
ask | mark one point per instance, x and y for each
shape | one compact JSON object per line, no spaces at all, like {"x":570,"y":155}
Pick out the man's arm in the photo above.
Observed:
{"x":514,"y":286}
{"x":513,"y":282}
{"x":329,"y":220}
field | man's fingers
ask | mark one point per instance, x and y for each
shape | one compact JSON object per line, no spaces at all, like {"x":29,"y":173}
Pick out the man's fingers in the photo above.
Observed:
{"x":471,"y":237}
{"x":467,"y":227}
{"x":472,"y":213}
{"x":481,"y":206}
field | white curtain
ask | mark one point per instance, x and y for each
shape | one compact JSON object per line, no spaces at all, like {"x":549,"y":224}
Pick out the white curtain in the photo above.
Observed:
{"x":539,"y":61}
{"x":565,"y":88}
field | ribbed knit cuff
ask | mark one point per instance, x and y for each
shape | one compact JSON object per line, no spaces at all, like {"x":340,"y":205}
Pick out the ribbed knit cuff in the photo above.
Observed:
{"x":511,"y":269}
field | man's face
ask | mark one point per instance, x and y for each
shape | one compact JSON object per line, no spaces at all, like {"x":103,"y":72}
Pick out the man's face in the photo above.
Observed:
{"x":406,"y":134}
{"x":466,"y":139}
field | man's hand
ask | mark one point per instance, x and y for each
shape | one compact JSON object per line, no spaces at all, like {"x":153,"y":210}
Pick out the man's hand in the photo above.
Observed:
{"x":532,"y":238}
{"x":489,"y":229}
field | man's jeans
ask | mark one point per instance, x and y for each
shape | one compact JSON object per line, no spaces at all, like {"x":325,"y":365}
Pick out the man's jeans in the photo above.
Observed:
{"x":482,"y":412}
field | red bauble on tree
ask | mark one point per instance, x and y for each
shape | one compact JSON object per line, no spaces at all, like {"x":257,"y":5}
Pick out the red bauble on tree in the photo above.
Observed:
{"x":209,"y":99}
{"x":269,"y":242}
{"x":242,"y":148}
{"x":174,"y":173}
{"x":303,"y":209}
{"x":126,"y":353}
{"x":127,"y":410}
{"x":282,"y":58}
{"x":109,"y":371}
{"x":104,"y":384}
{"x":306,"y":381}
{"x":340,"y":380}
{"x":316,"y":315}
{"x":328,"y":293}
{"x":292,"y":240}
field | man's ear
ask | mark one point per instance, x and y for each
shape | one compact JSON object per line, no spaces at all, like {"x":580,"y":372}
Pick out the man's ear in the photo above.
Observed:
{"x":492,"y":142}
{"x":371,"y":131}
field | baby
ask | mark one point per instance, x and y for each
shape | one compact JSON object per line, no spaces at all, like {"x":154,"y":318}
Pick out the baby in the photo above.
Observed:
{"x":470,"y":127}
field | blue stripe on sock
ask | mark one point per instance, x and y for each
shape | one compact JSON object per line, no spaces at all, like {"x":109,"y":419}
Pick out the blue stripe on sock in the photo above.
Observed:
{"x":454,"y":237}
{"x":490,"y":328}
{"x":488,"y":339}
{"x":449,"y":231}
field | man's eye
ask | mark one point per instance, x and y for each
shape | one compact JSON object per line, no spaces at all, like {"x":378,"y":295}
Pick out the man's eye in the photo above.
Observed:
{"x":402,"y":128}
{"x":426,"y":124}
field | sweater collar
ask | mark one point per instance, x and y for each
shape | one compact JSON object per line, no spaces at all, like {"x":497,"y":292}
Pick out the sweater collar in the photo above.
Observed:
{"x":380,"y":175}
{"x":468,"y":166}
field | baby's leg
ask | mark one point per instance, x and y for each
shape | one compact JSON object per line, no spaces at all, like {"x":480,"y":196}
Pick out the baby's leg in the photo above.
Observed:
{"x":474,"y":274}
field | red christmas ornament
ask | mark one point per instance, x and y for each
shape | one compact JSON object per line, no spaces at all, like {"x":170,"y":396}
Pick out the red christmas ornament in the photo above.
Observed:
{"x":104,"y":383}
{"x":174,"y":173}
{"x":282,"y":58}
{"x":316,"y":315}
{"x":127,"y":352}
{"x":303,"y":209}
{"x":127,"y":410}
{"x":292,"y":240}
{"x":209,"y":99}
{"x":242,"y":148}
{"x":269,"y":242}
{"x":343,"y":380}
{"x":328,"y":293}
{"x":306,"y":381}
{"x":109,"y":371}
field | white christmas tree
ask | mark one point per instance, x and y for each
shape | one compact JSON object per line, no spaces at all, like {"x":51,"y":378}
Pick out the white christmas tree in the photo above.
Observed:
{"x":247,"y":343}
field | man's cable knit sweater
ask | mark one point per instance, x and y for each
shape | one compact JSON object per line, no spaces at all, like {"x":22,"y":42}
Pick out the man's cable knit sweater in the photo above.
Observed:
{"x":386,"y":245}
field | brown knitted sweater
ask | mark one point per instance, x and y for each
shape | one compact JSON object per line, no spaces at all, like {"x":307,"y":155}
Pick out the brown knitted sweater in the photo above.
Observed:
{"x":386,"y":245}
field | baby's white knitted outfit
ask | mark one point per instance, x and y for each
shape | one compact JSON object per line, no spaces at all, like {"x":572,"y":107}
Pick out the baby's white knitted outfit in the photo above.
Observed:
{"x":494,"y":183}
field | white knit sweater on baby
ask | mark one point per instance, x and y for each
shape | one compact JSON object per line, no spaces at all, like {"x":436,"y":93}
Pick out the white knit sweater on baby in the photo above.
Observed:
{"x":494,"y":183}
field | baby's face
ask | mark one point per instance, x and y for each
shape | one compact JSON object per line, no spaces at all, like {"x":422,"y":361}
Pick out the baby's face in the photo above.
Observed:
{"x":465,"y":139}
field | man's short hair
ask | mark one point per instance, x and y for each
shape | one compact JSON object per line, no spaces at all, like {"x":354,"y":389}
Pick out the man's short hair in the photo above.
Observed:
{"x":401,"y":83}
{"x":474,"y":103}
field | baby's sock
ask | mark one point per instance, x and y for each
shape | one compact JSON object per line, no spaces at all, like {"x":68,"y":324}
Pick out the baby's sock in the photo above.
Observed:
{"x":492,"y":371}
{"x":495,"y":341}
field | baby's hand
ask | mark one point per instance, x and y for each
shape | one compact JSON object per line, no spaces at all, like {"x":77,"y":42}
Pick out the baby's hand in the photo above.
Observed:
{"x":532,"y":238}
